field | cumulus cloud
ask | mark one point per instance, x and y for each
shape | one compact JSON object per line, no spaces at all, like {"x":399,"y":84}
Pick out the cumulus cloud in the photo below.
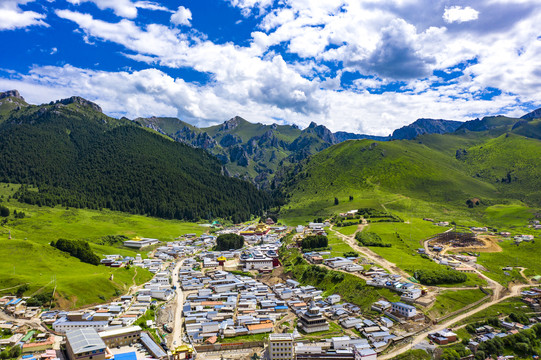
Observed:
{"x":123,"y":8}
{"x":397,"y":54}
{"x":302,"y":58}
{"x":239,"y":70}
{"x":182,"y":16}
{"x":13,"y":17}
{"x":248,"y":6}
{"x":459,"y":14}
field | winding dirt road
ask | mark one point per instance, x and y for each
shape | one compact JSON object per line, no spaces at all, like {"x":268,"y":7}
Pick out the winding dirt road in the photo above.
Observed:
{"x":499,"y":292}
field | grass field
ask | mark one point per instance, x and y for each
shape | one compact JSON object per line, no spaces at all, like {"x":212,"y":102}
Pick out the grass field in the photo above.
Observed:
{"x":413,"y":355}
{"x":450,"y":301}
{"x":513,"y":305}
{"x":406,"y":239}
{"x":347,"y":230}
{"x":28,"y":257}
{"x":337,"y":246}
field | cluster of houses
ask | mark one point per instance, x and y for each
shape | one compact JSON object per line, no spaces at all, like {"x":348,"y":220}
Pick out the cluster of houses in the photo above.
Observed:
{"x":520,"y":238}
{"x":284,"y":347}
{"x":532,"y":297}
{"x":487,"y":332}
{"x":313,"y":229}
{"x":100,"y":317}
{"x":17,"y":307}
{"x":227,"y":305}
{"x":30,"y":341}
{"x":409,"y":292}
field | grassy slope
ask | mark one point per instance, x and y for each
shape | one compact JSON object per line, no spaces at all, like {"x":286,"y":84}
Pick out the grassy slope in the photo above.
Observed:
{"x":450,"y":301}
{"x":380,"y":172}
{"x":404,"y":248}
{"x":423,"y":178}
{"x":27,"y":257}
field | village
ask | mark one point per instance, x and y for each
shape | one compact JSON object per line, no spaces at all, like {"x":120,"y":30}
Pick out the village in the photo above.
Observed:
{"x":228,"y":304}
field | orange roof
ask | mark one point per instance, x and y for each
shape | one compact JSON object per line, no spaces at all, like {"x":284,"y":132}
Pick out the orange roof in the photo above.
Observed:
{"x":210,"y":303}
{"x":212,"y":339}
{"x":49,"y":341}
{"x":299,"y":304}
{"x":269,"y":325}
{"x":102,"y":311}
{"x":129,"y":316}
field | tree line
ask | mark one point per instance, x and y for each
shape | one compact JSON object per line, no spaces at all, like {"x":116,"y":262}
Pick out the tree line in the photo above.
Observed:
{"x":367,"y":238}
{"x":440,"y":276}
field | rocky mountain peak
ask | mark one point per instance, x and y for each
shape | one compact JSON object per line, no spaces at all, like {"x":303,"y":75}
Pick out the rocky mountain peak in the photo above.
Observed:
{"x":322,"y":132}
{"x":232,"y":123}
{"x":11,"y":93}
{"x":536,"y":114}
{"x":79,"y":100}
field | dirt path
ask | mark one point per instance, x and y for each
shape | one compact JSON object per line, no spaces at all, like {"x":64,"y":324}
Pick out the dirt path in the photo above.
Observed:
{"x":513,"y":292}
{"x":369,"y":254}
{"x":528,"y":281}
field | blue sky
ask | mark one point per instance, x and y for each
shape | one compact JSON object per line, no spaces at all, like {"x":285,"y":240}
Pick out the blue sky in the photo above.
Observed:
{"x":362,"y":66}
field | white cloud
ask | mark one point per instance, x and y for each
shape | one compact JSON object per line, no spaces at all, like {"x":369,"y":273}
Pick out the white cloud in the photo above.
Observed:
{"x":150,"y":5}
{"x":182,"y":16}
{"x":459,"y":14}
{"x":13,"y":17}
{"x":303,"y":52}
{"x":123,"y":8}
{"x":247,"y":6}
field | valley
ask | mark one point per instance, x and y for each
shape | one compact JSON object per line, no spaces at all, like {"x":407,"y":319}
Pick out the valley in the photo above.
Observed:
{"x":106,"y":187}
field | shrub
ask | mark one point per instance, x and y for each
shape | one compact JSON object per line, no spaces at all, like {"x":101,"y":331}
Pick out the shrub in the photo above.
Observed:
{"x":370,"y":239}
{"x":437,"y":277}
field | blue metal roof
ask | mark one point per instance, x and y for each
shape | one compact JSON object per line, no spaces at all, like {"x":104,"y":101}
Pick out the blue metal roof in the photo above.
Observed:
{"x":126,"y":356}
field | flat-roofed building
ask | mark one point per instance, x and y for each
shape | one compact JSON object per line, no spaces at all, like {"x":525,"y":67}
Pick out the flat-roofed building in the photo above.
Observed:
{"x":85,"y":344}
{"x":121,"y":336}
{"x":281,"y":347}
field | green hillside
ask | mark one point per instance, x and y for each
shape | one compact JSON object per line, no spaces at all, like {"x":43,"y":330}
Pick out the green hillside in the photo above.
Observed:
{"x":29,"y":259}
{"x":248,"y":150}
{"x":79,"y":157}
{"x":440,"y":172}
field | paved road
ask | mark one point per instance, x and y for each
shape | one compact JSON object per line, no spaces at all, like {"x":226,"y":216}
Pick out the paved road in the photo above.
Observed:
{"x":513,"y":291}
{"x":500,"y":293}
{"x":176,"y":338}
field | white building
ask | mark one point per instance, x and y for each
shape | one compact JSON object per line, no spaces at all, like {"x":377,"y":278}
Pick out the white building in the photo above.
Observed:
{"x":403,"y":309}
{"x":256,"y":264}
{"x":333,"y":299}
{"x":141,"y":243}
{"x":281,"y":347}
{"x":63,"y":325}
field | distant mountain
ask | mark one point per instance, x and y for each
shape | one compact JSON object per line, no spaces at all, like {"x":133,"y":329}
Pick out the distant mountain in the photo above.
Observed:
{"x":536,"y":114}
{"x":496,"y":161}
{"x":79,"y":157}
{"x":425,"y":126}
{"x":248,"y":150}
{"x":344,"y":136}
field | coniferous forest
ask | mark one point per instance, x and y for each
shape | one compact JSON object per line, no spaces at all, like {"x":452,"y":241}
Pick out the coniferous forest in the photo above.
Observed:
{"x":78,"y":157}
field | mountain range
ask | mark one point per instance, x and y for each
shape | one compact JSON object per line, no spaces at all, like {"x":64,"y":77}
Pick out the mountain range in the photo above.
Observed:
{"x":257,"y":152}
{"x":77,"y":156}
